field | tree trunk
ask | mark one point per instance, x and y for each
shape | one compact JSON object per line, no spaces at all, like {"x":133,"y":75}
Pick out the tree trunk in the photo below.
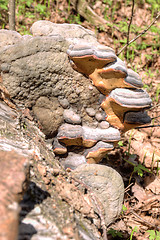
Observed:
{"x":11,"y":14}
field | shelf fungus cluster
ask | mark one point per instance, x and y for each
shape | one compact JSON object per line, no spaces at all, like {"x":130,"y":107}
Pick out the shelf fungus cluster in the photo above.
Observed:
{"x":92,"y":143}
{"x":124,"y":103}
{"x":81,"y":93}
{"x":82,"y":96}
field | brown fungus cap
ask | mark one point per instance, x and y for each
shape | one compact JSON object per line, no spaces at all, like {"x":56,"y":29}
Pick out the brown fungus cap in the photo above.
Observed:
{"x":97,"y":134}
{"x":58,"y":148}
{"x":76,"y":135}
{"x":70,"y":134}
{"x":97,"y":152}
{"x":88,"y":57}
{"x":121,"y":101}
{"x":133,"y":79}
{"x":115,"y":75}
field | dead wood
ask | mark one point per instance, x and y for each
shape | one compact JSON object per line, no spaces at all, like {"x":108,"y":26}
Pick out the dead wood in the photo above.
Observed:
{"x":87,"y":12}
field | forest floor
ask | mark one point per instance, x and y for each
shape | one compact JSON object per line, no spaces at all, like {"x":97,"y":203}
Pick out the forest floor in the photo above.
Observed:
{"x":137,"y":158}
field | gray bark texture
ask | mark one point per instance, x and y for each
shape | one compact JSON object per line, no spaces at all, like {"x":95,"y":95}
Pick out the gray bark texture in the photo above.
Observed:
{"x":11,"y":14}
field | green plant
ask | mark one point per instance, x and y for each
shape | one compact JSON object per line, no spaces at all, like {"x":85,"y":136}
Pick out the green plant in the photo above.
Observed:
{"x":23,"y":30}
{"x":115,"y":233}
{"x":157,"y":92}
{"x":123,"y":209}
{"x":41,"y":9}
{"x":158,"y":168}
{"x":137,"y":168}
{"x":140,"y":169}
{"x":120,"y":143}
{"x":4,"y":5}
{"x":75,"y":19}
{"x":3,"y":13}
{"x":154,"y":235}
{"x":135,"y":229}
{"x":146,"y":86}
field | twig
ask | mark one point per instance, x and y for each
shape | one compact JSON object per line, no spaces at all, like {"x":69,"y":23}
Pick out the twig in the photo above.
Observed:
{"x":128,"y":187}
{"x":157,"y":105}
{"x":158,"y":125}
{"x":155,"y":117}
{"x":130,"y":22}
{"x":139,"y":35}
{"x":94,"y":198}
{"x":144,"y":221}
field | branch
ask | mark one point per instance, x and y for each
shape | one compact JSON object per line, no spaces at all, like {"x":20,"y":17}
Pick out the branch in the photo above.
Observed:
{"x":129,"y":26}
{"x":144,"y":221}
{"x":157,"y":105}
{"x":155,"y":117}
{"x":158,"y":125}
{"x":143,"y":32}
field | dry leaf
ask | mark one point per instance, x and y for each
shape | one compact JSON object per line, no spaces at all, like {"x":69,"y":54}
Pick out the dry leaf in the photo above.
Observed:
{"x":153,"y":184}
{"x":139,"y":192}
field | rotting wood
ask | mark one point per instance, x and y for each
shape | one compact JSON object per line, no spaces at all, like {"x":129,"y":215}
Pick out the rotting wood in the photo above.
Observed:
{"x":87,"y":12}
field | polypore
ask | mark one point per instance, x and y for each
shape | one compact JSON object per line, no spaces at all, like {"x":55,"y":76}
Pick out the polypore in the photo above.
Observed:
{"x":121,"y":101}
{"x":87,"y":57}
{"x":124,"y":104}
{"x":86,"y":136}
{"x":84,"y":110}
{"x":97,"y":152}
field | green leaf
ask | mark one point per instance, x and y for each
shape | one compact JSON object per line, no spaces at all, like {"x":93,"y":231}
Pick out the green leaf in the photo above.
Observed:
{"x":158,"y":235}
{"x":120,"y":143}
{"x":143,"y":168}
{"x":3,"y":7}
{"x":138,"y":170}
{"x":152,"y":234}
{"x":124,"y":208}
{"x":115,"y":233}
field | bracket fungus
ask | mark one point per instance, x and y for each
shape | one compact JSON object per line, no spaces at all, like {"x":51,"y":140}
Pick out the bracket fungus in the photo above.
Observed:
{"x":121,"y":101}
{"x":86,"y":136}
{"x":86,"y":110}
{"x":133,"y":79}
{"x":87,"y":57}
{"x":119,"y":84}
{"x":58,"y":148}
{"x":115,"y":75}
{"x":97,"y":152}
